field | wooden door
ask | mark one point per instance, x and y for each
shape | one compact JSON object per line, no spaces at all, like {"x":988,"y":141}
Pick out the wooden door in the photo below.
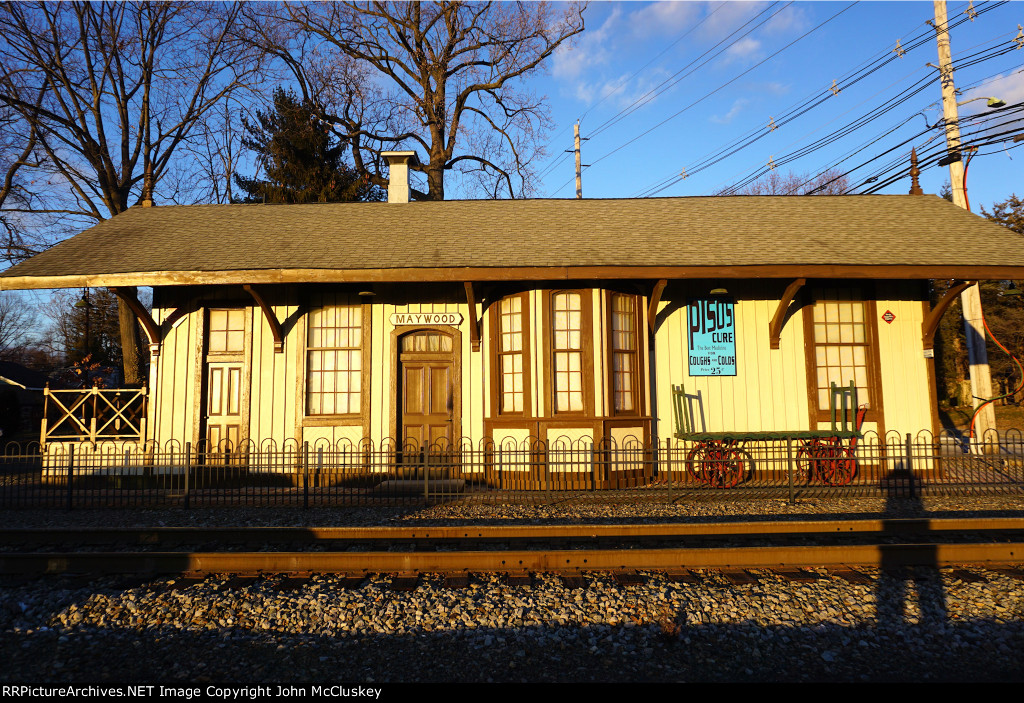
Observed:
{"x":225,"y":416}
{"x":427,"y":391}
{"x":223,"y":405}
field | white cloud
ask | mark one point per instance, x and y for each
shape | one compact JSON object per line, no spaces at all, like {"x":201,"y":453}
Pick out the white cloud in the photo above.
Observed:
{"x":592,"y":48}
{"x":746,"y":48}
{"x":791,"y":20}
{"x":1009,"y":88}
{"x":663,"y":18}
{"x":770,"y":87}
{"x":725,"y":17}
{"x":624,"y":90}
{"x":728,"y":117}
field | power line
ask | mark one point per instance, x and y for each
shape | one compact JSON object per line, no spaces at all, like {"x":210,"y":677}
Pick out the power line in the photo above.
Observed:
{"x":802,"y":108}
{"x":716,"y":90}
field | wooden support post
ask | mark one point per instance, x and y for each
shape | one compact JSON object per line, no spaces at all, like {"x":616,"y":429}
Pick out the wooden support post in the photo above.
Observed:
{"x":271,"y":318}
{"x":652,"y":306}
{"x":474,"y":323}
{"x":931,"y":320}
{"x":150,"y":327}
{"x":775,"y":327}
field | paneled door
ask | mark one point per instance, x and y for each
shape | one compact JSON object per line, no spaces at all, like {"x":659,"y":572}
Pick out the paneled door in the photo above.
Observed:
{"x":223,"y":405}
{"x":427,"y":390}
{"x":225,"y":415}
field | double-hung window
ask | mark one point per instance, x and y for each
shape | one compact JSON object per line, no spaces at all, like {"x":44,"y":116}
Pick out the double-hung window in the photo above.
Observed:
{"x":840,"y":348}
{"x":624,"y":352}
{"x":512,"y":356}
{"x":334,"y":360}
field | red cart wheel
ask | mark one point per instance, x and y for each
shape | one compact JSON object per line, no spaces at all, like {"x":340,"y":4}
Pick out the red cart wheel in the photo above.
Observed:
{"x":695,"y":462}
{"x":806,"y":455}
{"x":834,"y":464}
{"x":842,"y":467}
{"x":724,"y":467}
{"x":733,"y":469}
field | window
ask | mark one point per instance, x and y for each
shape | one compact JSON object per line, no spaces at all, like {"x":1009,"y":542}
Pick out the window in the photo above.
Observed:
{"x":571,"y":368}
{"x":839,"y":349}
{"x":226,"y":331}
{"x":511,"y":356}
{"x":334,"y":360}
{"x":623,"y":348}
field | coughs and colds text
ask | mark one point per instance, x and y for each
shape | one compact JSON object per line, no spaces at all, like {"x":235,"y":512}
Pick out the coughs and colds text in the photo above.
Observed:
{"x":224,"y":693}
{"x":711,"y":336}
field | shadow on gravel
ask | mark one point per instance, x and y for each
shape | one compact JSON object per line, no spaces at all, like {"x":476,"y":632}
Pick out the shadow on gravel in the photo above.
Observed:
{"x":909,"y":594}
{"x":681,"y":645}
{"x":965,"y":652}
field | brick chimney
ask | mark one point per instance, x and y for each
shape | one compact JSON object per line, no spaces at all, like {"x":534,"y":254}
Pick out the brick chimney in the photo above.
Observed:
{"x":398,"y":174}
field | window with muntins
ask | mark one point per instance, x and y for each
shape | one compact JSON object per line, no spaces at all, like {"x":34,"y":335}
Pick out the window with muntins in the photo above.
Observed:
{"x":842,"y":342}
{"x":567,"y":361}
{"x":334,"y":360}
{"x":624,"y":350}
{"x":226,"y":333}
{"x":511,"y":356}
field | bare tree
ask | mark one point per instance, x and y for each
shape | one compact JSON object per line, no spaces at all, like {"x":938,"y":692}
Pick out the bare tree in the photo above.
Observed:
{"x":18,"y":152}
{"x":15,"y":323}
{"x":215,"y":153}
{"x":828,"y":182}
{"x":440,"y":77}
{"x":110,"y":91}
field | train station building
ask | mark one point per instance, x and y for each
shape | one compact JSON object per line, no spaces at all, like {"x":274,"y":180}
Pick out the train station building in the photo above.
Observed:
{"x":510,"y":320}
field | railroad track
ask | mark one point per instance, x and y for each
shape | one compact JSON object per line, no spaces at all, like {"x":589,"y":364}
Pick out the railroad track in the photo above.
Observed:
{"x":566,"y":549}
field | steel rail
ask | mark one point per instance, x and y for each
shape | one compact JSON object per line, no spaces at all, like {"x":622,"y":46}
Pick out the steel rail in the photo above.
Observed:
{"x":899,"y":526}
{"x":559,"y":561}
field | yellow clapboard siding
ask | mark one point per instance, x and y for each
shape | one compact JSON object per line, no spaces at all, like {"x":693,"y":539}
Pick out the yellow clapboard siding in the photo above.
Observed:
{"x":904,"y":369}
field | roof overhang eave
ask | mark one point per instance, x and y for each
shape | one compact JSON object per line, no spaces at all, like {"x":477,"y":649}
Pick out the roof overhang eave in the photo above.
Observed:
{"x":524,"y":273}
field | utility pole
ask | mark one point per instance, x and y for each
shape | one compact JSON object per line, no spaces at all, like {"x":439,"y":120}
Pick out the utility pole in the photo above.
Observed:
{"x":970,"y":299}
{"x":579,"y":166}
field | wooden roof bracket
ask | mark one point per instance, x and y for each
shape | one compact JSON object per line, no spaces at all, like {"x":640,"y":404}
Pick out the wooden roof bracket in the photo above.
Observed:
{"x":779,"y":318}
{"x":474,"y":322}
{"x":652,"y":306}
{"x":145,"y":319}
{"x":931,"y":320}
{"x":268,"y":313}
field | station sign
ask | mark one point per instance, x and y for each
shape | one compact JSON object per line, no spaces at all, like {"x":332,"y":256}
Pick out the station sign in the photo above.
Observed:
{"x":426,"y":318}
{"x":711,"y":333}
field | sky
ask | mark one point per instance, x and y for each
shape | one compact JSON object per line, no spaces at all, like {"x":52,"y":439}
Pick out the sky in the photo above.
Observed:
{"x":722,"y":91}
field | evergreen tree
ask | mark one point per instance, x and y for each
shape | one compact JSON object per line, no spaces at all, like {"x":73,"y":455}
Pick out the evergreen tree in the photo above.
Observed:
{"x":1009,"y":213}
{"x":300,"y":158}
{"x":1004,"y":314}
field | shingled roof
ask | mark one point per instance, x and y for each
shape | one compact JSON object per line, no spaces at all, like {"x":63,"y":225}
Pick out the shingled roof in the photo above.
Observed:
{"x":876,"y":236}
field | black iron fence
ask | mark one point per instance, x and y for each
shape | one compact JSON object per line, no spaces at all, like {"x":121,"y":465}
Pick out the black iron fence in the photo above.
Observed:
{"x":80,"y":474}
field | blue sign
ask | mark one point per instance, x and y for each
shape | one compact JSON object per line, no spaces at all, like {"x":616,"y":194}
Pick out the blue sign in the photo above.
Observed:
{"x":712,"y":337}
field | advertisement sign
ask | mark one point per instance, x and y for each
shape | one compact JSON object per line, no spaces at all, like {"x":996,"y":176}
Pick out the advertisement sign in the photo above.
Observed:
{"x":712,"y":337}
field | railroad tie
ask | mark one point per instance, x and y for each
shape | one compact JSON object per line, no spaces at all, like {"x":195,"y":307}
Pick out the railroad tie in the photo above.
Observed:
{"x":184,"y":581}
{"x":738,"y":577}
{"x":628,"y":578}
{"x":239,"y":581}
{"x":573,"y":581}
{"x":405,"y":581}
{"x":292,"y":582}
{"x":351,"y":581}
{"x":967,"y":576}
{"x":456,"y":580}
{"x":683,"y":576}
{"x":797,"y":575}
{"x":852,"y":576}
{"x":518,"y":578}
{"x":1009,"y":571}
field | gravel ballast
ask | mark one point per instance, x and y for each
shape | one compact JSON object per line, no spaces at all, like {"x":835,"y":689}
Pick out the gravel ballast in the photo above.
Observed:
{"x":918,"y":625}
